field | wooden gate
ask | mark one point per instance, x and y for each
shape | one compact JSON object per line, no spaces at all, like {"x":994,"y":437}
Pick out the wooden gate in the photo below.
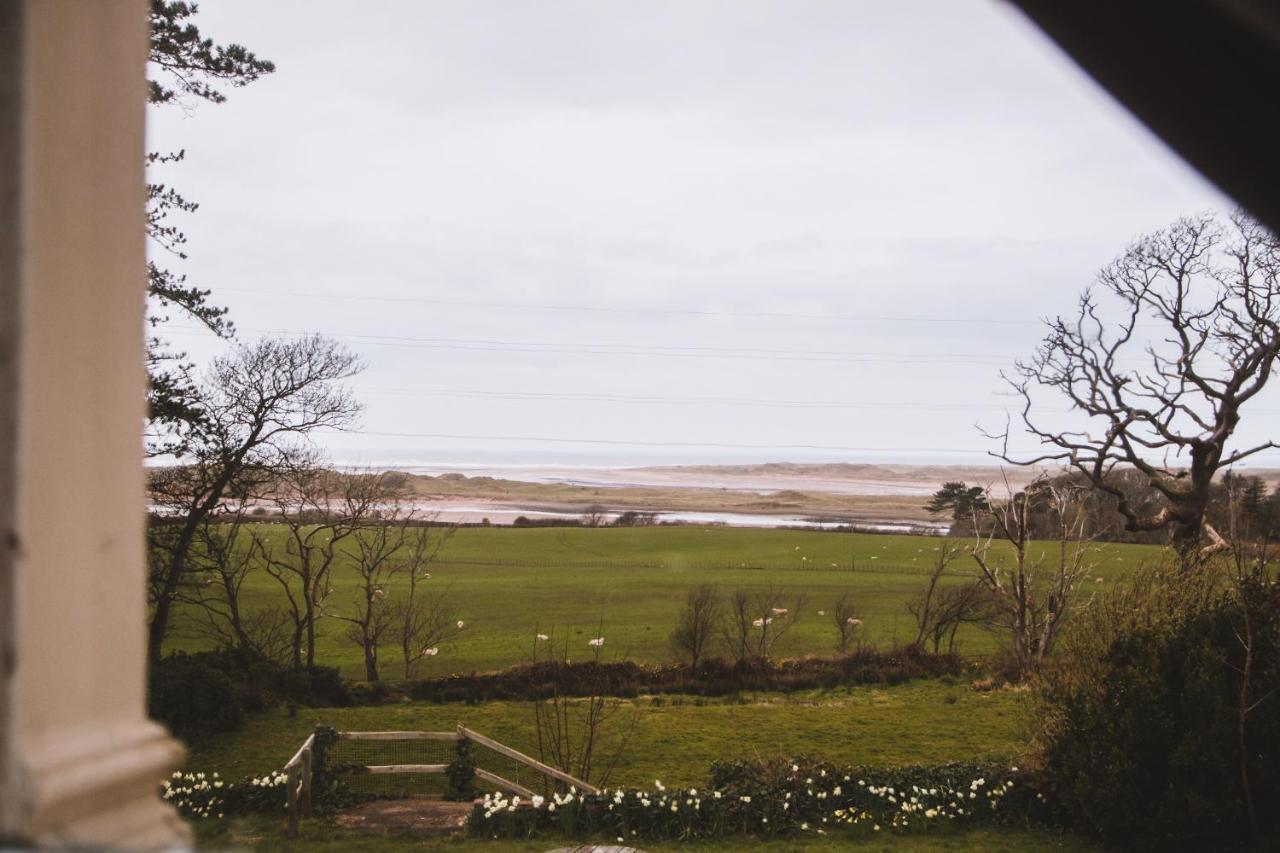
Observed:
{"x":299,"y":768}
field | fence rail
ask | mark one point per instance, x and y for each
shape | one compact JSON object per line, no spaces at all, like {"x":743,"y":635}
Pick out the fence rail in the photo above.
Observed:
{"x":863,"y":565}
{"x":525,"y":563}
{"x":298,"y":783}
{"x":300,"y":768}
{"x":399,"y":736}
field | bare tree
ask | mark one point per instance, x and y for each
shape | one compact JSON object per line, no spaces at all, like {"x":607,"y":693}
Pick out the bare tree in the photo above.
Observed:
{"x":583,"y":736}
{"x":736,"y":627}
{"x":424,"y":620}
{"x":940,"y":610}
{"x":965,"y":604}
{"x":846,"y":621}
{"x":779,"y":613}
{"x":1031,"y":594}
{"x":924,"y":607}
{"x":222,"y":560}
{"x":757,"y":621}
{"x":373,"y":552}
{"x":257,"y":407}
{"x":224,"y":555}
{"x":319,"y":511}
{"x":1166,"y":403}
{"x":595,"y":516}
{"x":698,"y":624}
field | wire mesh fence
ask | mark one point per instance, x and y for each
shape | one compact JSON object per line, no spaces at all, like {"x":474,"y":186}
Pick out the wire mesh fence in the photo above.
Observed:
{"x":364,"y":762}
{"x":349,"y":758}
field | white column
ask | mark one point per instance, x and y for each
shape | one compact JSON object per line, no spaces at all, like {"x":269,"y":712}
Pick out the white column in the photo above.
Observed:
{"x":79,"y":761}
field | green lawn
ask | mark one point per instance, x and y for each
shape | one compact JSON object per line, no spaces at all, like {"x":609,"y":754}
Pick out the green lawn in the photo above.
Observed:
{"x":508,"y":582}
{"x":676,"y":741}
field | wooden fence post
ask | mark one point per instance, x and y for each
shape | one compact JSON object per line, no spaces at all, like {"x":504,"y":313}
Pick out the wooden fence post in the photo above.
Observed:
{"x":306,"y":783}
{"x":291,"y":789}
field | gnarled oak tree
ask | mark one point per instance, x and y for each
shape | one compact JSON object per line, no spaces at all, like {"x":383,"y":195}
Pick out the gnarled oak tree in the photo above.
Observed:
{"x":1178,"y":334}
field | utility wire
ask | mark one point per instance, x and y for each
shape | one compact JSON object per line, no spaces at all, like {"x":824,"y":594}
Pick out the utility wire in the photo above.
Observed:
{"x":699,"y":444}
{"x":533,"y":306}
{"x":621,"y":443}
{"x":641,"y":350}
{"x":717,"y":401}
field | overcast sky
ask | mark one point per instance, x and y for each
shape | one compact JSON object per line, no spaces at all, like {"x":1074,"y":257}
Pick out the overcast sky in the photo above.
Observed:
{"x":773,"y":224}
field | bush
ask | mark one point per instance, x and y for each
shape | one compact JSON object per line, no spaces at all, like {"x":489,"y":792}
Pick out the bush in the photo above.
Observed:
{"x":462,"y":775}
{"x":1139,"y":712}
{"x":192,"y":696}
{"x":318,"y":686}
{"x":713,"y":677}
{"x":211,"y":691}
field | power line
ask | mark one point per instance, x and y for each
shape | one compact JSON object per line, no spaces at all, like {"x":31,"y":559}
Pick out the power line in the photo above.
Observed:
{"x":699,"y":444}
{"x":531,"y":306}
{"x":659,"y":400}
{"x":641,"y":350}
{"x":621,"y":443}
{"x":726,"y":401}
{"x":496,"y":345}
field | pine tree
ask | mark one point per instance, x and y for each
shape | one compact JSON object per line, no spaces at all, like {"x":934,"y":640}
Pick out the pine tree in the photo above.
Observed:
{"x":190,"y":68}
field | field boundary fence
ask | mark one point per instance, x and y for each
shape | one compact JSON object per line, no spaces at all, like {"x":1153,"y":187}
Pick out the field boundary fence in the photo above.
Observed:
{"x":524,"y":563}
{"x":862,"y":566}
{"x":404,"y":755}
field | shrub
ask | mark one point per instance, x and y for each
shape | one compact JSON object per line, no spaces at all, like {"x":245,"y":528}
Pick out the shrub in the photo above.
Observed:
{"x":1139,"y":715}
{"x":211,"y":691}
{"x":462,"y":775}
{"x":192,"y":696}
{"x":713,"y":677}
{"x":319,"y":686}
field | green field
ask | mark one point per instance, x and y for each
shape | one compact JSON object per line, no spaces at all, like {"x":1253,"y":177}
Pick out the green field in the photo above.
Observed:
{"x":676,"y":741}
{"x":677,"y":738}
{"x":507,"y":583}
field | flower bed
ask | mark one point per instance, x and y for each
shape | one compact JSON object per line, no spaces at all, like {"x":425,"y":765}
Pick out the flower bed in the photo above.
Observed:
{"x":802,"y":796}
{"x":197,"y":795}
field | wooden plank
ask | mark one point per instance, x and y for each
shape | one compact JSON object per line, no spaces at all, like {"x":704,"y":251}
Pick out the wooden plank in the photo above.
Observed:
{"x":516,"y":755}
{"x":406,"y":768}
{"x":399,"y":735}
{"x":297,"y":756}
{"x":495,"y":779}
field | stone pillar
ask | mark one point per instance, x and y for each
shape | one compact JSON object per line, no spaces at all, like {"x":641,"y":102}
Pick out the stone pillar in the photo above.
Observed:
{"x":79,"y":761}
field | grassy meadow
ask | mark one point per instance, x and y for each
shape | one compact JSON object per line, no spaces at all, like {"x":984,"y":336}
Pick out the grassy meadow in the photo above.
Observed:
{"x":675,"y":740}
{"x":508,"y":582}
{"x":628,"y":584}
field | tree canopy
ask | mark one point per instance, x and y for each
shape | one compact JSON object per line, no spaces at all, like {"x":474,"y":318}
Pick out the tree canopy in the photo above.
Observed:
{"x":187,"y":67}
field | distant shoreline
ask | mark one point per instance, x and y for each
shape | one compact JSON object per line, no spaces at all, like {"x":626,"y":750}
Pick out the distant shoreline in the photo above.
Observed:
{"x":871,"y":496}
{"x":858,"y":494}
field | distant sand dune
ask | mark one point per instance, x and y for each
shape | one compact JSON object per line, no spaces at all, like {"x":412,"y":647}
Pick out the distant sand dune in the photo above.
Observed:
{"x":868,"y":493}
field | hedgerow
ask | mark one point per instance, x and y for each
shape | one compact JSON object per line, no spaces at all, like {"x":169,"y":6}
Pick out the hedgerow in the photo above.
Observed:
{"x":714,"y":677}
